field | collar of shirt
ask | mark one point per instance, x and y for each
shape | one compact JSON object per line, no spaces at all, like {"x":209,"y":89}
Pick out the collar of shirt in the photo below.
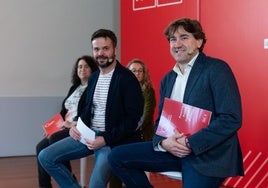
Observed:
{"x":189,"y":65}
{"x":181,"y":80}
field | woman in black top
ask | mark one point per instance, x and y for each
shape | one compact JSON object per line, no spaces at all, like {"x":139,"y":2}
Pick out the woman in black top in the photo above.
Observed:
{"x":71,"y":109}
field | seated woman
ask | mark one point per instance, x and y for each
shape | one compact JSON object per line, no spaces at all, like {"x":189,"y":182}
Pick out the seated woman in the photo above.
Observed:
{"x":147,"y":131}
{"x":141,"y":72}
{"x":72,"y":106}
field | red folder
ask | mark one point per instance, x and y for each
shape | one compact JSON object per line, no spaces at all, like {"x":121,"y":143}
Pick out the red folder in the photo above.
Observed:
{"x":53,"y":125}
{"x":184,"y":118}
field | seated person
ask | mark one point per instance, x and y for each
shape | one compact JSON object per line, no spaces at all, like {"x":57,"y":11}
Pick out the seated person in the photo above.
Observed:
{"x":72,"y":107}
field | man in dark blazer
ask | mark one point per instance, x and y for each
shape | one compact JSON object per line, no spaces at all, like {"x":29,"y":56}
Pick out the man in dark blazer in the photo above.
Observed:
{"x":208,"y":156}
{"x":114,"y":106}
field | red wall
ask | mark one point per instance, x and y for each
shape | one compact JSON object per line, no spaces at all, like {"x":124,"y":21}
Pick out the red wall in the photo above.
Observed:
{"x":235,"y":32}
{"x":142,"y":35}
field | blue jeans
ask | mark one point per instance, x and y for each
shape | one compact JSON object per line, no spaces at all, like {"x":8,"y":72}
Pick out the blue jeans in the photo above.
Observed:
{"x":53,"y":157}
{"x":44,"y":179}
{"x":130,"y":161}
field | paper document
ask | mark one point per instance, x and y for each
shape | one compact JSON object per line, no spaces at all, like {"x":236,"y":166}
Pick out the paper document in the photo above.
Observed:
{"x":85,"y":131}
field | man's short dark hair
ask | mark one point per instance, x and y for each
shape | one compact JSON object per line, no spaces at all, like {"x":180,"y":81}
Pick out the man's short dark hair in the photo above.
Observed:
{"x":189,"y":25}
{"x":105,"y":33}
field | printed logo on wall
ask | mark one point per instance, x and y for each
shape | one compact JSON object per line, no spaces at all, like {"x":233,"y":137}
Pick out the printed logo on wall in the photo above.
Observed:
{"x":148,"y":4}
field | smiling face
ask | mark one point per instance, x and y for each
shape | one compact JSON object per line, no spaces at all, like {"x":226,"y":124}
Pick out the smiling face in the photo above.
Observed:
{"x":183,"y":46}
{"x":103,"y":51}
{"x":83,"y":71}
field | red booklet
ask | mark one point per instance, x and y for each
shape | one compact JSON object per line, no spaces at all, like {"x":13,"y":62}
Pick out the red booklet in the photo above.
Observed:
{"x":53,"y":125}
{"x":185,"y":118}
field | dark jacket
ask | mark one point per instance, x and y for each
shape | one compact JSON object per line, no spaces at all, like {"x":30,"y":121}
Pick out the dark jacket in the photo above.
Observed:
{"x":147,"y":127}
{"x":124,"y":107}
{"x":211,"y":85}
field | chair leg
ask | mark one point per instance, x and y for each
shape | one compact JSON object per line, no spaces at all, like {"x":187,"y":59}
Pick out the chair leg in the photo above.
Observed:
{"x":83,"y":168}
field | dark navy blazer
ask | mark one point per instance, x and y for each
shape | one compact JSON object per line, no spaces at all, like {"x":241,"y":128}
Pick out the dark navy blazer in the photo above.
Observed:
{"x":212,"y":86}
{"x":124,"y":106}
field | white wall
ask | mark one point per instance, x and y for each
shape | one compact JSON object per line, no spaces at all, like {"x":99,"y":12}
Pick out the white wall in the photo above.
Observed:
{"x":39,"y":43}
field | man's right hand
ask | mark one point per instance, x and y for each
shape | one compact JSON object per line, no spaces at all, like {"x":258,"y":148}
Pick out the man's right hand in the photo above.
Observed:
{"x":176,"y":145}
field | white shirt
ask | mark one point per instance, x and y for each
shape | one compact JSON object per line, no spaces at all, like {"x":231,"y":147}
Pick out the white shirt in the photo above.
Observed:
{"x":181,"y":80}
{"x":179,"y":87}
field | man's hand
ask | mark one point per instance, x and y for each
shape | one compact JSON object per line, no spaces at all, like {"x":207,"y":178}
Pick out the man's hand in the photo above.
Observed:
{"x":176,"y":145}
{"x":95,"y":144}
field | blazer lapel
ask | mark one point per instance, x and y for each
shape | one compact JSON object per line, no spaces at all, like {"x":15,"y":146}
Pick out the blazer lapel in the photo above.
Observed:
{"x":194,"y":75}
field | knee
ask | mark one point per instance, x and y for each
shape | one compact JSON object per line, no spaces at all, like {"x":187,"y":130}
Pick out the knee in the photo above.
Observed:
{"x":42,"y":145}
{"x":114,"y":156}
{"x":39,"y":147}
{"x":40,"y":157}
{"x":43,"y":157}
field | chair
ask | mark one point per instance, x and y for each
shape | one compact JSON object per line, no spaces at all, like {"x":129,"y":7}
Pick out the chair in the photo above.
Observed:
{"x":83,"y":167}
{"x":172,"y":174}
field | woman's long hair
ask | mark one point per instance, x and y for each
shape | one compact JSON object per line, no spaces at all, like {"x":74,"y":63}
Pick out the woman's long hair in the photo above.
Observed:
{"x":91,"y":63}
{"x":146,"y":82}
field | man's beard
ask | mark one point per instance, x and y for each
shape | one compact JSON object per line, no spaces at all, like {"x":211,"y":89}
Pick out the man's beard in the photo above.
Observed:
{"x":107,"y":64}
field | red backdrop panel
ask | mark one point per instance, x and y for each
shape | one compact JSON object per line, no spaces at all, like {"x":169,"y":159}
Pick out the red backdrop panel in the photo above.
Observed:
{"x":142,"y":33}
{"x":235,"y":32}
